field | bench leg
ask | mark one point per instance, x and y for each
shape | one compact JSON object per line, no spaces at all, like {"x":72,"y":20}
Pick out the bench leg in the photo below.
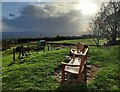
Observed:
{"x":79,"y":78}
{"x":63,"y":74}
{"x":85,"y":72}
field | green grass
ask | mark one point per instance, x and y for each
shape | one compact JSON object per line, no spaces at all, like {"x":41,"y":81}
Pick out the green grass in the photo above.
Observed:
{"x":87,"y":41}
{"x":108,"y":76}
{"x":36,"y":72}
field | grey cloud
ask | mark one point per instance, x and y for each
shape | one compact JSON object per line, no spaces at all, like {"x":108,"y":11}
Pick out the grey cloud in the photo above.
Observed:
{"x":48,"y":20}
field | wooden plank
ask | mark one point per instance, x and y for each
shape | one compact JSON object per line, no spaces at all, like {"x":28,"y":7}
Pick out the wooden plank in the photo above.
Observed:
{"x":73,"y":69}
{"x":75,"y":52}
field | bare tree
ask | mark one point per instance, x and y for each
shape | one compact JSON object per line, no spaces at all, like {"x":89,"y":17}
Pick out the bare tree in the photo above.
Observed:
{"x":94,"y":28}
{"x":107,"y":22}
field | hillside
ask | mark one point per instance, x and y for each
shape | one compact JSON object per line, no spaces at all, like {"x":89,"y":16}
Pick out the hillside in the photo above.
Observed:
{"x":36,"y":72}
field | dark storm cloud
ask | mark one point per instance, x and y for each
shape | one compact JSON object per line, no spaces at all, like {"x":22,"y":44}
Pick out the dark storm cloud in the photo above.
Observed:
{"x":48,"y":19}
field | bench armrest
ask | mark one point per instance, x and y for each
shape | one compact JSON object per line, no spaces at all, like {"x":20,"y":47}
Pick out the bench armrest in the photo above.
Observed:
{"x":66,"y":64}
{"x":86,"y":51}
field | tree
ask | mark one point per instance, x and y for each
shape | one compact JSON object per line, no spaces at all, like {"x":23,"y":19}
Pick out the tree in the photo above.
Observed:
{"x":94,"y":28}
{"x":107,"y":22}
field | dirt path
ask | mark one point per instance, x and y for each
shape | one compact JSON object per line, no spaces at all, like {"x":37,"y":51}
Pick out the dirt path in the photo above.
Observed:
{"x":90,"y":74}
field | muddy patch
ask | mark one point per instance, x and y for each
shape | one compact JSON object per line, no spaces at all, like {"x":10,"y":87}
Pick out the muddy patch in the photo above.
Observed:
{"x":91,"y":71}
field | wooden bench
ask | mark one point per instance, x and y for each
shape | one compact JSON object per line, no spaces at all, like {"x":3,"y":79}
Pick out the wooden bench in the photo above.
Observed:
{"x":79,"y":50}
{"x":75,"y":66}
{"x":80,"y":47}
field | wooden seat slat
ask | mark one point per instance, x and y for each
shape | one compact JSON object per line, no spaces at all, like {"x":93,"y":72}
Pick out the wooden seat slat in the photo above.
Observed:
{"x":73,"y":51}
{"x":72,"y":69}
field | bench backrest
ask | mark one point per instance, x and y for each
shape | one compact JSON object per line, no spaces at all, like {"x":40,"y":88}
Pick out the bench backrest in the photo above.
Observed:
{"x":83,"y":59}
{"x":80,"y":47}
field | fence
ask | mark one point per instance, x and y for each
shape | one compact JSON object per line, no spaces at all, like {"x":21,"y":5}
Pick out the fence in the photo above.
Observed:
{"x":26,"y":51}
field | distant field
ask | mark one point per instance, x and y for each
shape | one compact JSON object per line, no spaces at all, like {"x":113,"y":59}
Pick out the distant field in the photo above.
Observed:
{"x":87,"y":41}
{"x":36,"y":72}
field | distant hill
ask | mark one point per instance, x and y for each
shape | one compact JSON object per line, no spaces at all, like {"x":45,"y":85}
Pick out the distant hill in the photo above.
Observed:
{"x":16,"y":35}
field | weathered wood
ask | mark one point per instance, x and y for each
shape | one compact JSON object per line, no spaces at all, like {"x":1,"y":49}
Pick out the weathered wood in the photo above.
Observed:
{"x":48,"y":48}
{"x":80,"y":47}
{"x":63,"y":73}
{"x":22,"y":52}
{"x":75,"y":66}
{"x":78,"y":50}
{"x":44,"y":48}
{"x":28,"y":49}
{"x":75,"y":52}
{"x":13,"y":55}
{"x":19,"y":55}
{"x":85,"y":72}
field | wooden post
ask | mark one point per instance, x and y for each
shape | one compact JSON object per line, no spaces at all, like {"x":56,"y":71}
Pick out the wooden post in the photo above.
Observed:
{"x":63,"y":73}
{"x":79,"y":78}
{"x":85,"y":72}
{"x":48,"y":48}
{"x":44,"y":48}
{"x":22,"y":50}
{"x":13,"y":55}
{"x":28,"y":49}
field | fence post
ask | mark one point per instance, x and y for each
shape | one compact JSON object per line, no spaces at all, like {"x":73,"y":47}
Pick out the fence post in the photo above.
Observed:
{"x":13,"y":55}
{"x":48,"y":48}
{"x":44,"y":48}
{"x":22,"y":50}
{"x":28,"y":49}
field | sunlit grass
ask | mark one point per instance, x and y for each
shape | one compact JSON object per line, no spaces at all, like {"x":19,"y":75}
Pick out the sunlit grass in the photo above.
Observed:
{"x":87,"y":41}
{"x":36,"y":71}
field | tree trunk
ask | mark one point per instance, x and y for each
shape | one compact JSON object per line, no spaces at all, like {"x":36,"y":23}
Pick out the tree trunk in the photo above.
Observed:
{"x":114,"y":36}
{"x":114,"y":39}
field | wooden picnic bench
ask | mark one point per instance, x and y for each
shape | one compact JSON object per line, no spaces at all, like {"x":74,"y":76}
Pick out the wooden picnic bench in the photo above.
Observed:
{"x":75,"y":66}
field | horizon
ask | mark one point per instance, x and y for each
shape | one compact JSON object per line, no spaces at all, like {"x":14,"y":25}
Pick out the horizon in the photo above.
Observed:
{"x":20,"y":35}
{"x":48,"y":18}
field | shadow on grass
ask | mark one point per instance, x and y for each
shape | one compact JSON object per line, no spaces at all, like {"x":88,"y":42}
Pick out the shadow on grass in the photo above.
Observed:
{"x":70,"y":83}
{"x":73,"y":87}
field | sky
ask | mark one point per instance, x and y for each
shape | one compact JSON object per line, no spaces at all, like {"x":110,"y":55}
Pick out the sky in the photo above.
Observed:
{"x":48,"y":18}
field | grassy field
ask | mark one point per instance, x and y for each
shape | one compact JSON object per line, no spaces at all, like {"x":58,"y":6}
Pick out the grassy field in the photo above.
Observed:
{"x":36,"y":72}
{"x":87,"y":41}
